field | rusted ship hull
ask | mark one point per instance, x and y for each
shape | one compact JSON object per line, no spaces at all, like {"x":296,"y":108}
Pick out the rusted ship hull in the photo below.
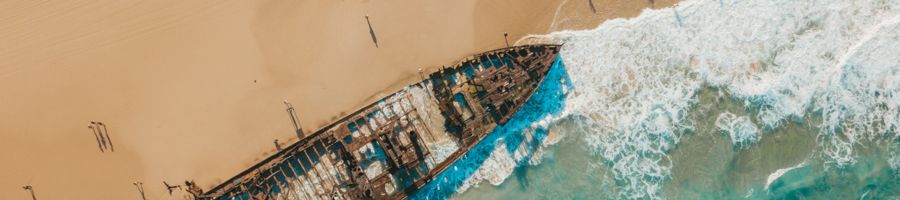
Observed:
{"x":393,"y":147}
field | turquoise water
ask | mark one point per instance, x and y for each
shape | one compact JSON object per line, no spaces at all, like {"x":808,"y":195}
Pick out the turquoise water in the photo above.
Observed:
{"x":547,"y":101}
{"x":760,"y":99}
{"x":706,"y":165}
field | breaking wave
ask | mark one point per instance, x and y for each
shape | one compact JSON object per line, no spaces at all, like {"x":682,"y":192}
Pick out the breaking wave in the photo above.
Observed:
{"x":636,"y":79}
{"x":741,"y":130}
{"x":780,"y":172}
{"x":516,"y":143}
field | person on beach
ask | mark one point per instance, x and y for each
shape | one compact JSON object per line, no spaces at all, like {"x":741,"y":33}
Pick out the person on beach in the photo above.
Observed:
{"x":101,"y":134}
{"x":96,"y":136}
{"x":106,"y":134}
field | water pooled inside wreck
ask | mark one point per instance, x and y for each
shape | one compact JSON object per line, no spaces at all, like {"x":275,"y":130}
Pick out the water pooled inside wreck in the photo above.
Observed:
{"x":399,"y":145}
{"x":509,"y":145}
{"x":705,"y":100}
{"x":720,"y":100}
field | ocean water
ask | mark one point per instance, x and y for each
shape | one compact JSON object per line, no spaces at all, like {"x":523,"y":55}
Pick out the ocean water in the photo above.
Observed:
{"x":707,"y":100}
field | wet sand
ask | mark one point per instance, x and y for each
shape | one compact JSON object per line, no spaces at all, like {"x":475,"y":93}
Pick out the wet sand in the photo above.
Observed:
{"x":193,"y":90}
{"x":578,"y":14}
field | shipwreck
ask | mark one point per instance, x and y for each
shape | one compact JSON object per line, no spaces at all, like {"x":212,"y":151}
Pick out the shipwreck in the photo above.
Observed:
{"x":395,"y":146}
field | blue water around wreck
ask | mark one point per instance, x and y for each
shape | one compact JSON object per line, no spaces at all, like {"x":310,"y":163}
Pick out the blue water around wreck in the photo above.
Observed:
{"x":706,"y":165}
{"x":548,"y":100}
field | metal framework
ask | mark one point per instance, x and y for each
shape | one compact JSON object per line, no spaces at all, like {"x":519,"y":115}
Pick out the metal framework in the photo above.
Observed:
{"x":386,"y":150}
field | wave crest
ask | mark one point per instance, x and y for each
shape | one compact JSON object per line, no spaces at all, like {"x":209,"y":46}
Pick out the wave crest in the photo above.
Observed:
{"x":636,"y":78}
{"x":741,"y":130}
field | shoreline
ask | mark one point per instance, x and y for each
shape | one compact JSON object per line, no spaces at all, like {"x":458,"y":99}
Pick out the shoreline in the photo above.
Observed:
{"x":193,"y":90}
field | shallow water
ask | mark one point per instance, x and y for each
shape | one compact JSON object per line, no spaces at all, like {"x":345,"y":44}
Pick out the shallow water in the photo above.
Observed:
{"x":706,"y":165}
{"x":716,"y":100}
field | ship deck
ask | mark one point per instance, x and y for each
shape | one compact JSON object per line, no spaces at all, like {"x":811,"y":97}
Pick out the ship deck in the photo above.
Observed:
{"x":391,"y":148}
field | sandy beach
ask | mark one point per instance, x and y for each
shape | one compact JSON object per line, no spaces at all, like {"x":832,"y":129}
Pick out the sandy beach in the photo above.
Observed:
{"x":193,"y":90}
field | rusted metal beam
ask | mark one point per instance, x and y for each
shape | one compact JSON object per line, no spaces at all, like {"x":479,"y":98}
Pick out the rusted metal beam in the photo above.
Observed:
{"x":492,"y":95}
{"x":297,"y":179}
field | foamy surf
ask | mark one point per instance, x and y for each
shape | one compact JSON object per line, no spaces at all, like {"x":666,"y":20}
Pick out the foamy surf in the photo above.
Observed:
{"x":510,"y":145}
{"x":634,"y":82}
{"x":636,"y":78}
{"x":780,"y":172}
{"x":522,"y":138}
{"x":740,"y":129}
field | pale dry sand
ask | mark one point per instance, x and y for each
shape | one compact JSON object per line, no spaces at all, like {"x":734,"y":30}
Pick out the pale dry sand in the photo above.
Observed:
{"x":577,"y":14}
{"x":193,"y":89}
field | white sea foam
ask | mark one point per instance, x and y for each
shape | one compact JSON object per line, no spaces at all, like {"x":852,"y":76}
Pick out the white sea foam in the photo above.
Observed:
{"x":495,"y":169}
{"x":517,"y":142}
{"x":780,"y":172}
{"x":741,"y":130}
{"x":500,"y":164}
{"x":862,"y":98}
{"x":635,"y":79}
